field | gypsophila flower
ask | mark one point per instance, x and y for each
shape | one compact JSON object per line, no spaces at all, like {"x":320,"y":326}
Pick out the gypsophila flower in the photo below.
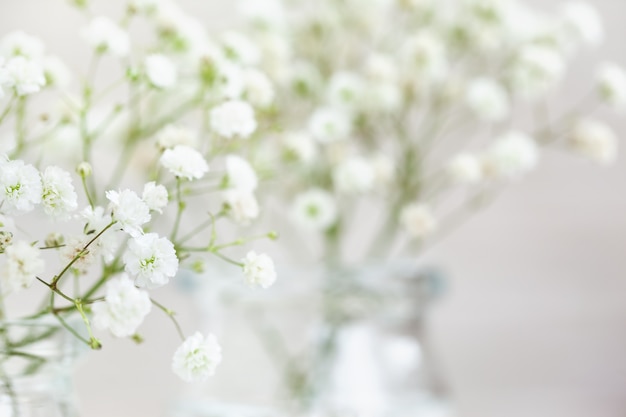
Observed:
{"x":171,"y":136}
{"x":510,"y":156}
{"x":74,"y":251}
{"x":536,"y":69}
{"x":330,"y":125}
{"x":96,"y":219}
{"x":487,"y":99}
{"x":299,"y":145}
{"x":583,"y":22}
{"x":315,"y":209}
{"x":345,"y":90}
{"x":611,"y":84}
{"x":151,"y":260}
{"x":129,"y":211}
{"x":240,"y":174}
{"x":240,"y":48}
{"x":124,"y":308}
{"x":155,"y":196}
{"x":594,"y":140}
{"x":258,"y":89}
{"x":20,"y":186}
{"x":425,"y":53}
{"x":197,"y":358}
{"x":24,"y":75}
{"x":354,"y":175}
{"x":104,"y":35}
{"x":242,"y":206}
{"x":464,"y":168}
{"x":184,"y":162}
{"x":19,"y":43}
{"x":258,"y":270}
{"x":23,"y":263}
{"x":59,"y":198}
{"x":56,"y":72}
{"x":161,"y":71}
{"x":234,"y":118}
{"x":384,"y":169}
{"x":418,"y":220}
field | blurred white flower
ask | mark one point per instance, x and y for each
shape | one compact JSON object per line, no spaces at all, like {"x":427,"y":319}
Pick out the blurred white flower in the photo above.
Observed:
{"x":23,"y":263}
{"x":234,"y":118}
{"x":330,"y":125}
{"x":19,"y":43}
{"x":151,"y":260}
{"x":594,"y":140}
{"x":265,"y":13}
{"x":20,"y":186}
{"x":171,"y":136}
{"x":242,"y":206}
{"x":155,"y":196}
{"x":381,"y":68}
{"x":314,"y":209}
{"x":299,"y":145}
{"x":24,"y":75}
{"x":487,"y":99}
{"x":345,"y":90}
{"x":129,"y":211}
{"x":384,"y":169}
{"x":161,"y":71}
{"x":258,"y":88}
{"x":425,"y":56}
{"x":418,"y":220}
{"x":583,"y":22}
{"x":184,"y":162}
{"x":536,"y":69}
{"x":511,"y":156}
{"x":59,"y":197}
{"x":240,"y":48}
{"x":611,"y":84}
{"x":197,"y":358}
{"x":354,"y":175}
{"x":104,"y":35}
{"x":240,"y":174}
{"x":124,"y":308}
{"x":464,"y":168}
{"x":56,"y":72}
{"x":258,"y":270}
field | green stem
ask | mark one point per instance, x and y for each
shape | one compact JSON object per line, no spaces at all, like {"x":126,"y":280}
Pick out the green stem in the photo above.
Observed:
{"x":170,"y":314}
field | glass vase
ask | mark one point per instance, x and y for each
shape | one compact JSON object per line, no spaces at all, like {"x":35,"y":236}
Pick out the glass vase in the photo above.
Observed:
{"x":37,"y":358}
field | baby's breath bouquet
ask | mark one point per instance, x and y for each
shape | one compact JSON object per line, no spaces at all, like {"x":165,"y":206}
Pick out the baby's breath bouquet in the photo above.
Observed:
{"x":399,"y":118}
{"x":115,"y":177}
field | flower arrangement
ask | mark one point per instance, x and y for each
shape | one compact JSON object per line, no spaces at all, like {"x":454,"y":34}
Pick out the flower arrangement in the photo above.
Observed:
{"x":110,"y":184}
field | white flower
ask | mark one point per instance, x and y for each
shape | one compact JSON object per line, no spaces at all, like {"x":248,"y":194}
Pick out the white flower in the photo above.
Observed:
{"x":171,"y":136}
{"x":330,"y":125}
{"x":234,"y":118}
{"x":20,"y":186}
{"x":19,"y":43}
{"x":104,"y":35}
{"x":583,"y":22}
{"x":124,"y":308}
{"x":258,"y":88}
{"x":354,"y":175}
{"x":425,"y":53}
{"x":258,"y":270}
{"x":418,"y":220}
{"x":97,"y":219}
{"x":151,"y":260}
{"x":266,"y":13}
{"x":230,"y":77}
{"x":155,"y":196}
{"x":185,"y":162}
{"x":161,"y":71}
{"x":299,"y":145}
{"x":465,"y":168}
{"x":315,"y":209}
{"x":58,"y":197}
{"x":381,"y":68}
{"x":536,"y":69}
{"x":56,"y":72}
{"x":129,"y":211}
{"x":345,"y":90}
{"x":23,"y":264}
{"x":384,"y":169}
{"x":510,"y":156}
{"x":196,"y":359}
{"x":240,"y":48}
{"x":611,"y":84}
{"x":487,"y":99}
{"x":24,"y":75}
{"x":73,"y":249}
{"x":242,"y":205}
{"x":240,"y":174}
{"x":595,"y":140}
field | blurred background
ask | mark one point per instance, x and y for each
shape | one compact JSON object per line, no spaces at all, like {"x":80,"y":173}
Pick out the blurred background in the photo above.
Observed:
{"x":534,"y":318}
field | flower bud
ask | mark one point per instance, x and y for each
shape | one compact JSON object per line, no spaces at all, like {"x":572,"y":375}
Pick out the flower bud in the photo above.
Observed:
{"x":84,"y":169}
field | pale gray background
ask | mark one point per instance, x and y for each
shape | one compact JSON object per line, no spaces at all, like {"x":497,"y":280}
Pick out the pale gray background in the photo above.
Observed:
{"x":535,"y":320}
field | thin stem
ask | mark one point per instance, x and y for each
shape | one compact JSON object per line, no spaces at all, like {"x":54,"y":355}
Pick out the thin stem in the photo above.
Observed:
{"x":170,"y":314}
{"x":179,"y":212}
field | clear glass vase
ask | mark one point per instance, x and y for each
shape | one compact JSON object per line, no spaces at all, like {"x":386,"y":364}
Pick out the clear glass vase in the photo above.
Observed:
{"x":37,"y":358}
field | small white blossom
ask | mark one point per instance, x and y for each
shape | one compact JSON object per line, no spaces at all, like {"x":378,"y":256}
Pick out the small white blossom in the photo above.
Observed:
{"x":20,"y":186}
{"x":59,"y":197}
{"x":425,"y":54}
{"x":56,"y":72}
{"x":299,"y":145}
{"x":465,"y":168}
{"x":240,"y":174}
{"x":266,"y":13}
{"x":24,"y":75}
{"x":330,"y":125}
{"x":258,"y":270}
{"x":171,"y":136}
{"x":97,"y":219}
{"x":104,"y":35}
{"x":129,"y":211}
{"x":487,"y":99}
{"x":234,"y":118}
{"x":345,"y":90}
{"x":418,"y":220}
{"x":536,"y":70}
{"x":242,"y":205}
{"x":185,"y":162}
{"x":23,"y":263}
{"x":611,"y":84}
{"x":381,"y":68}
{"x":151,"y":260}
{"x":315,"y":209}
{"x":155,"y":196}
{"x":594,"y":140}
{"x":161,"y":71}
{"x":583,"y":22}
{"x":197,"y":358}
{"x":384,"y":169}
{"x":510,"y":156}
{"x":354,"y":175}
{"x":258,"y":88}
{"x":19,"y":43}
{"x":240,"y":48}
{"x":124,"y":308}
{"x":73,"y":249}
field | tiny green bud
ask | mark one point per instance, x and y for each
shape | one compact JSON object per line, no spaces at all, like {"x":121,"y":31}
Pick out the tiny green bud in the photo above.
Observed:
{"x":132,"y":73}
{"x":5,"y":239}
{"x":198,"y":266}
{"x":95,"y":344}
{"x":137,"y":338}
{"x":84,"y":169}
{"x":273,"y":235}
